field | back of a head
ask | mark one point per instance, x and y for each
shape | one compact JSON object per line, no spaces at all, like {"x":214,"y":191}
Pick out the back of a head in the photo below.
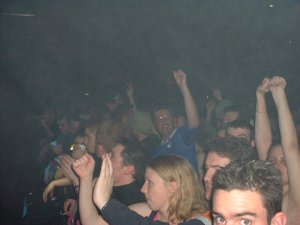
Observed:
{"x":188,"y":198}
{"x":233,"y":112}
{"x":243,"y":124}
{"x":255,"y":176}
{"x":235,"y":149}
{"x":134,"y":154}
{"x":108,"y":132}
{"x":91,"y":124}
{"x":142,"y":123}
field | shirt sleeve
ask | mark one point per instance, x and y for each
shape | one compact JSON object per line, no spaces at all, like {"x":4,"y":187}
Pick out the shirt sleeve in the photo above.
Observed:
{"x":116,"y":213}
{"x":187,"y":134}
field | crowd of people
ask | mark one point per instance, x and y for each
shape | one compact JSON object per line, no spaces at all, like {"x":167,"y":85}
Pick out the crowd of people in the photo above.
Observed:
{"x":126,"y":164}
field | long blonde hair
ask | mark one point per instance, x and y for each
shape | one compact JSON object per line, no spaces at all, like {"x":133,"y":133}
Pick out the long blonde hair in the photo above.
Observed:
{"x":188,"y":200}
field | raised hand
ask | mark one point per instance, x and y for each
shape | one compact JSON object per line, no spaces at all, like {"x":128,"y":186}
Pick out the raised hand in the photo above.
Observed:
{"x":104,"y":184}
{"x":264,"y":86}
{"x":65,"y":162}
{"x":277,"y":82}
{"x":211,"y":105}
{"x":216,"y":94}
{"x":84,"y":167}
{"x":130,"y":89}
{"x":180,"y":78}
{"x":277,"y":86}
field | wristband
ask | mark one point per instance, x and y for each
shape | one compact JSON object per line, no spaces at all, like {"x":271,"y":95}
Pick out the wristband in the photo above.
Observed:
{"x":261,"y":112}
{"x":104,"y":206}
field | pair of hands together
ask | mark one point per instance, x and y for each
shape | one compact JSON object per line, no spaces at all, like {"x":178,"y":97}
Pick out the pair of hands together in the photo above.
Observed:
{"x":271,"y":84}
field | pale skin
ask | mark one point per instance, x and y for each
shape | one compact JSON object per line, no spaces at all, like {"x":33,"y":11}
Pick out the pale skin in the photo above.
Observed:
{"x":242,"y":207}
{"x":290,"y":148}
{"x":130,"y":95}
{"x":56,"y":183}
{"x":69,"y":205}
{"x":190,"y":106}
{"x":65,"y":162}
{"x":84,"y":168}
{"x":103,"y":190}
{"x":263,"y":133}
{"x":165,"y":122}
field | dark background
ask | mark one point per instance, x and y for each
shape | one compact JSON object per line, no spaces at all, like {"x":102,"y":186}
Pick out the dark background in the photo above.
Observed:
{"x":55,"y":51}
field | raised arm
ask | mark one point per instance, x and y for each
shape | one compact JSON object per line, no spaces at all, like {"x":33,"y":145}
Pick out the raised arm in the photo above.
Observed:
{"x":84,"y":168}
{"x":112,"y":210}
{"x":263,"y":132}
{"x":65,"y":163}
{"x":289,"y":139}
{"x":130,"y":95}
{"x":190,"y":106}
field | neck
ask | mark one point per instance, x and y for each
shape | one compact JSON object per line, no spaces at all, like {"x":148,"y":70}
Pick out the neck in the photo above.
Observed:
{"x":123,"y":181}
{"x":164,"y":216}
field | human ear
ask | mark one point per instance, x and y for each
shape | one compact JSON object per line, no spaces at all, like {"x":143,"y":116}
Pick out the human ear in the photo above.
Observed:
{"x":252,"y":143}
{"x":279,"y":219}
{"x":130,"y":170}
{"x":172,"y":187}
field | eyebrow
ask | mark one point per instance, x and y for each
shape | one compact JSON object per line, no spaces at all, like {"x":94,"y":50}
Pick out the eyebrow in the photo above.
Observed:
{"x":237,"y":214}
{"x":214,"y":166}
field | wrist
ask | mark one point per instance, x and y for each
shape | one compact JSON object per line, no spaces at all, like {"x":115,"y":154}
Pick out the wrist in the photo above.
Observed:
{"x":260,"y":94}
{"x":103,"y":205}
{"x":86,"y":178}
{"x":261,"y":111}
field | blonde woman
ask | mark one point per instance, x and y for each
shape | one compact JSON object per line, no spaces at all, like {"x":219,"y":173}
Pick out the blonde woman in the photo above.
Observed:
{"x":172,"y":192}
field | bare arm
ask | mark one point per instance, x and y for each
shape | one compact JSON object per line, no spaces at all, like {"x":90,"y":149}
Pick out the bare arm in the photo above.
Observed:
{"x":141,"y":208}
{"x":289,"y":139}
{"x":56,"y":183}
{"x":263,"y":132}
{"x":65,"y":163}
{"x":190,"y":106}
{"x":84,"y":168}
{"x":130,"y":95}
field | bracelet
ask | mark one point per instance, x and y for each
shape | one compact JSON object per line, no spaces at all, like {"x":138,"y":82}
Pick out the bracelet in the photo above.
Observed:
{"x":261,"y":112}
{"x":76,"y":186}
{"x":104,"y":206}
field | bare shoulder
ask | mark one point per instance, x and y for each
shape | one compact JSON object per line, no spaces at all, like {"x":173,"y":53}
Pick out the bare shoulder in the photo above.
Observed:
{"x":141,"y":208}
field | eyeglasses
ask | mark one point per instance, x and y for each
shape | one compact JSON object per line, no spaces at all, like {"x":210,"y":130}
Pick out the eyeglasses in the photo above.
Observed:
{"x":163,"y":117}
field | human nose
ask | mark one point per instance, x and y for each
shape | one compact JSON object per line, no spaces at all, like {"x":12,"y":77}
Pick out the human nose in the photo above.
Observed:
{"x":144,"y":188}
{"x":208,"y":176}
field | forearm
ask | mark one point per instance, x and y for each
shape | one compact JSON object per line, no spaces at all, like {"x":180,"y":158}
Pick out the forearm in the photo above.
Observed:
{"x":87,"y":209}
{"x":286,"y":123}
{"x":190,"y":107}
{"x":132,"y":103}
{"x":263,"y":132}
{"x":62,"y":182}
{"x":289,"y":144}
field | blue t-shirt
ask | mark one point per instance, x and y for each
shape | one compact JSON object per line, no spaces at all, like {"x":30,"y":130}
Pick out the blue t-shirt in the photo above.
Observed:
{"x":181,"y":142}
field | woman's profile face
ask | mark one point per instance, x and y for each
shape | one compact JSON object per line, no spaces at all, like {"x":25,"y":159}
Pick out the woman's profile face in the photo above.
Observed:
{"x":157,"y":191}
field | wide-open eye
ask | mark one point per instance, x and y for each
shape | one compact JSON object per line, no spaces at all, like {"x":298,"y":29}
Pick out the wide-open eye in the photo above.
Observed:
{"x":246,"y":222}
{"x":219,"y":219}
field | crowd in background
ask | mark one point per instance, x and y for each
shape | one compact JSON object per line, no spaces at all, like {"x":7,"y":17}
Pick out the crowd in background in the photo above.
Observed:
{"x":68,"y":144}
